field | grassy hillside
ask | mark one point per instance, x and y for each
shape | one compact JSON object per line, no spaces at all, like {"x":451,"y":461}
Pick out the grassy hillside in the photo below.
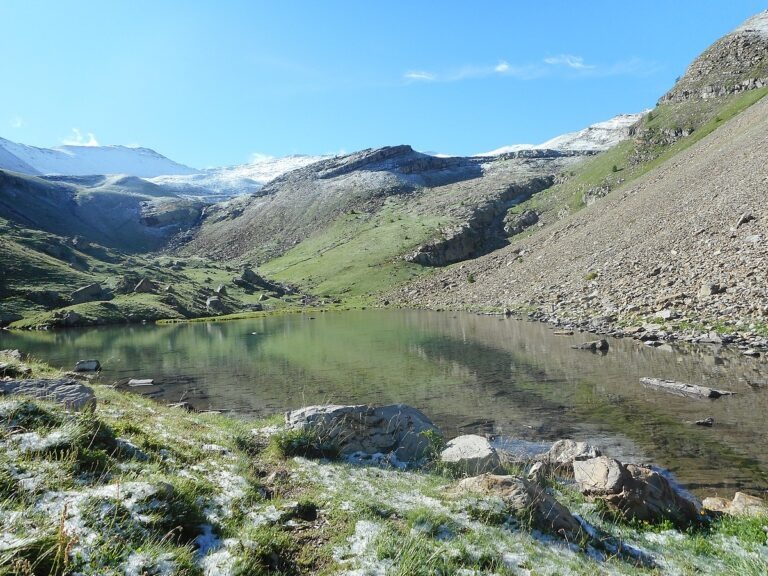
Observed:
{"x":662,"y":133}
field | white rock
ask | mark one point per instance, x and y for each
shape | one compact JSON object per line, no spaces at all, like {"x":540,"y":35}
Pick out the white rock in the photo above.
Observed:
{"x":472,"y":454}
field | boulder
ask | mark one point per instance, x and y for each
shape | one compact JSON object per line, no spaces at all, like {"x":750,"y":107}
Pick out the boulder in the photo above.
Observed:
{"x":683,"y":389}
{"x":634,"y":492}
{"x":472,"y":455}
{"x":396,"y":429}
{"x":516,"y":224}
{"x":595,"y":345}
{"x":528,"y":502}
{"x":214,"y":304}
{"x":250,"y":276}
{"x":561,"y":455}
{"x":221,"y":290}
{"x":87,"y":293}
{"x":87,"y":366}
{"x":63,"y":390}
{"x":71,"y":318}
{"x":741,"y":505}
{"x":145,"y":286}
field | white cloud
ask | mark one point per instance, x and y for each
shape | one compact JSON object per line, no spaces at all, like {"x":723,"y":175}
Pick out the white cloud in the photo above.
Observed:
{"x":501,"y":67}
{"x":77,"y":139}
{"x":569,"y":60}
{"x":420,"y":75}
{"x":17,"y":122}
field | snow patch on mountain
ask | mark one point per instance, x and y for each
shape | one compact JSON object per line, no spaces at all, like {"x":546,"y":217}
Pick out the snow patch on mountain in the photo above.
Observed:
{"x":224,"y":182}
{"x":597,"y":137}
{"x":87,"y":160}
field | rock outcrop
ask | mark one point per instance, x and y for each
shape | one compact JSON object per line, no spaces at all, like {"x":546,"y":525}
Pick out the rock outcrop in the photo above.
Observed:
{"x":63,"y":390}
{"x":396,"y":429}
{"x":735,"y":63}
{"x":87,"y":293}
{"x":528,"y":502}
{"x":634,"y":492}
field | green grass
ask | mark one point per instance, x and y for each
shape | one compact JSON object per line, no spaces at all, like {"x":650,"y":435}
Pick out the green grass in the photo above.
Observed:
{"x":637,"y":156}
{"x":357,"y":256}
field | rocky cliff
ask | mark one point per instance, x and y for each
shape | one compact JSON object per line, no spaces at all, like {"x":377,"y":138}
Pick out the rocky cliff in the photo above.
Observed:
{"x":735,"y":63}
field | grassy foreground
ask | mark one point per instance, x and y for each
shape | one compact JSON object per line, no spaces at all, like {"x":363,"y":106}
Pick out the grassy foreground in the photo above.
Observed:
{"x":133,"y":487}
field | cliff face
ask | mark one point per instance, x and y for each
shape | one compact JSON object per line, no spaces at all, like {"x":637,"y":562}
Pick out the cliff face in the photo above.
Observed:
{"x":735,"y":63}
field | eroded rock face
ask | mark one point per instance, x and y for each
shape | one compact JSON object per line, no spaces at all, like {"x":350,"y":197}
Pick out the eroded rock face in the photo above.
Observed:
{"x":398,"y":429}
{"x":635,"y":492}
{"x":63,"y":390}
{"x":87,"y":293}
{"x":528,"y":500}
{"x":471,"y":454}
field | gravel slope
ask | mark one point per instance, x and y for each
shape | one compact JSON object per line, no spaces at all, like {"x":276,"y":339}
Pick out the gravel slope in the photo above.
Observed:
{"x":652,"y":246}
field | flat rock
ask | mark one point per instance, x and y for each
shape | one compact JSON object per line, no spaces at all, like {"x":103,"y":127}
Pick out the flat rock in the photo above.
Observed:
{"x":87,"y":366}
{"x":395,"y":429}
{"x":471,"y":454}
{"x":139,"y":382}
{"x":741,"y":505}
{"x":65,"y":391}
{"x":683,"y":389}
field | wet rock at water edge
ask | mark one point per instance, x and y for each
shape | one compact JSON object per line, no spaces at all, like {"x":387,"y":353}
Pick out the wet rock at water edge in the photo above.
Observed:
{"x":471,"y":455}
{"x":633,"y":492}
{"x":595,"y":346}
{"x":560,"y":457}
{"x":87,"y":366}
{"x":65,"y":391}
{"x":397,"y":429}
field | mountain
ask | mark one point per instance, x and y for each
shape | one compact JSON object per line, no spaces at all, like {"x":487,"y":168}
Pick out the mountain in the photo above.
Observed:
{"x":737,"y":62}
{"x":215,"y":184}
{"x":665,"y":232}
{"x":595,"y":138}
{"x":87,"y":160}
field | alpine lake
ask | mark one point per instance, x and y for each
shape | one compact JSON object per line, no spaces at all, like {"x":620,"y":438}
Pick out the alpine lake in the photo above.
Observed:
{"x":511,"y":379}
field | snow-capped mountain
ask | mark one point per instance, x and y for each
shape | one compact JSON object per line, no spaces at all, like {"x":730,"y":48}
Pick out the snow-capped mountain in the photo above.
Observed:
{"x":597,"y":137}
{"x":87,"y":160}
{"x":227,"y":181}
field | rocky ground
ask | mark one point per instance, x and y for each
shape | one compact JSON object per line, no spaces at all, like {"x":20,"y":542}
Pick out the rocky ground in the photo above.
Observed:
{"x":681,"y":252}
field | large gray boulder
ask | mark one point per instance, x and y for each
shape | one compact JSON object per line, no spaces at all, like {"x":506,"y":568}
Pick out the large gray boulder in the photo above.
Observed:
{"x":635,"y":492}
{"x":87,"y":293}
{"x":396,"y":429}
{"x":528,"y":501}
{"x":471,"y":455}
{"x":63,"y":390}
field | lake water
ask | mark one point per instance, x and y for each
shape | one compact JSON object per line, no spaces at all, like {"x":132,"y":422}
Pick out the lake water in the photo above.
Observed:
{"x":510,"y":378}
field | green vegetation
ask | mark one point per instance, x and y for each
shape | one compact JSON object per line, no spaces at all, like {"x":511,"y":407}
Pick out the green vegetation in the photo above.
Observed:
{"x":663,"y":133}
{"x":358,"y":256}
{"x":170,"y":481}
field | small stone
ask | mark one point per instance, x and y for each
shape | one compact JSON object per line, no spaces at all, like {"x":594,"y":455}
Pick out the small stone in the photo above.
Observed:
{"x":709,"y":421}
{"x":87,"y":366}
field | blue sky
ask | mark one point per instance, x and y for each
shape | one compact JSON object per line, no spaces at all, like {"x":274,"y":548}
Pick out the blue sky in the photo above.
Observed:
{"x":211,"y":83}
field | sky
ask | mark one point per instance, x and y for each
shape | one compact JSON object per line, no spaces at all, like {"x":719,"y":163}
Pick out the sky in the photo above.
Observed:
{"x":216,"y":83}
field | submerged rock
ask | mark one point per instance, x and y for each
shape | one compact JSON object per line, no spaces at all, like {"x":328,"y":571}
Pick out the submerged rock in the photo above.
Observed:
{"x":87,"y":366}
{"x":397,"y":428}
{"x":471,"y":454}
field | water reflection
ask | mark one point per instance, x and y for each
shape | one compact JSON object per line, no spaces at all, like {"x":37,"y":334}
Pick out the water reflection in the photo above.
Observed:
{"x":469,"y":373}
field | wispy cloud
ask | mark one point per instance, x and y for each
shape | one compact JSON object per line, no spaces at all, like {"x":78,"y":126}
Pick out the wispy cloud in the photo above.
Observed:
{"x":569,"y":61}
{"x":76,"y":138}
{"x":420,"y":76}
{"x":17,"y":122}
{"x":560,"y":65}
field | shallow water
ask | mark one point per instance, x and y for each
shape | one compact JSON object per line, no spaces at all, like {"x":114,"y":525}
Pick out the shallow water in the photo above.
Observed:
{"x":469,"y":373}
